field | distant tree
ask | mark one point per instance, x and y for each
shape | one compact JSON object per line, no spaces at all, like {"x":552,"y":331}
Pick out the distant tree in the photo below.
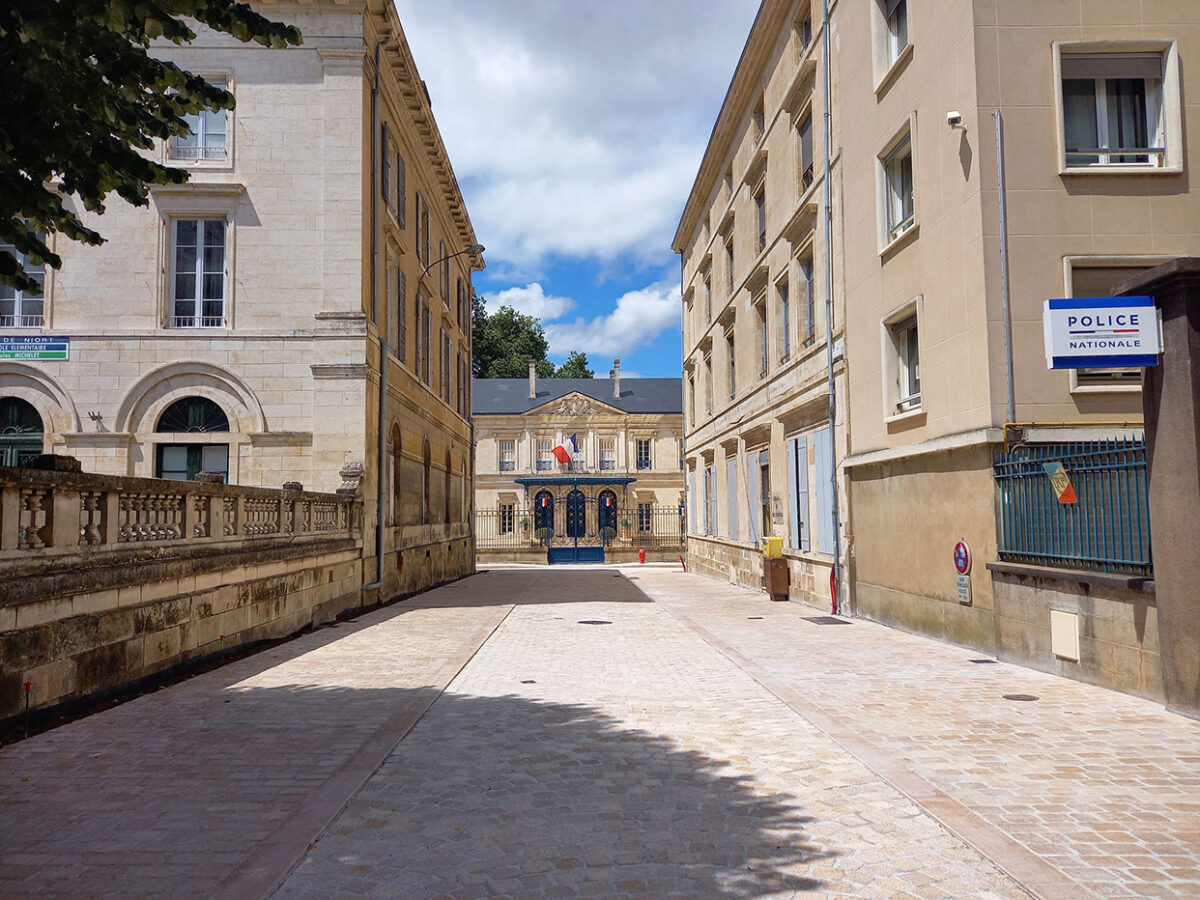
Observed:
{"x":83,"y":100}
{"x":576,"y":366}
{"x":505,"y":341}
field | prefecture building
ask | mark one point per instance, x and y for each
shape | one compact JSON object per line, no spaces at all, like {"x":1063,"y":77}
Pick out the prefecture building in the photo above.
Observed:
{"x":937,"y":438}
{"x":244,"y":322}
{"x":620,"y":488}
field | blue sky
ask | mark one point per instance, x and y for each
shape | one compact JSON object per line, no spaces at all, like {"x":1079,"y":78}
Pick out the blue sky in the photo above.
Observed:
{"x":575,"y":130}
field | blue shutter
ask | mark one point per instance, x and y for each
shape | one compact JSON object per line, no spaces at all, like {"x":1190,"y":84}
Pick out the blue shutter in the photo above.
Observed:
{"x":753,"y":491}
{"x":793,"y":522}
{"x":691,"y":503}
{"x":824,"y":473}
{"x":703,"y":511}
{"x":801,"y":509}
{"x":731,"y":487}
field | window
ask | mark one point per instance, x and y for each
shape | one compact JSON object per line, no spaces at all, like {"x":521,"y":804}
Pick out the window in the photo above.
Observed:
{"x":691,"y":399}
{"x":897,"y":27}
{"x":898,"y":180}
{"x":463,"y":376}
{"x":645,"y":518}
{"x":426,"y":466}
{"x":444,"y":370}
{"x":385,"y":168}
{"x":808,"y":297}
{"x":731,"y":355}
{"x":759,"y":122}
{"x":182,"y":462}
{"x":729,"y":264}
{"x":906,"y":362}
{"x":798,"y":533}
{"x":764,"y":493}
{"x":760,"y":216}
{"x":708,"y":385}
{"x":709,"y":506}
{"x":1113,"y":102}
{"x":445,"y":272}
{"x":1089,"y":280}
{"x":423,"y":237}
{"x":608,"y":453}
{"x":785,"y":321}
{"x":804,"y":141}
{"x":23,"y":309}
{"x":642,"y":446}
{"x":401,"y":191}
{"x":207,"y":134}
{"x":803,"y":26}
{"x":545,"y":458}
{"x":427,"y":343}
{"x":760,"y":324}
{"x":507,"y":515}
{"x":197,"y":273}
{"x":707,"y":299}
{"x":397,"y":478}
{"x":508,"y":455}
{"x":21,"y":431}
{"x":400,"y":317}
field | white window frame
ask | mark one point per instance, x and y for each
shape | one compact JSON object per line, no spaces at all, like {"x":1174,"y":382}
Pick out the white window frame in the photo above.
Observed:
{"x":888,"y":54}
{"x":607,"y":452}
{"x":764,"y":336}
{"x":898,"y":401}
{"x":507,"y":454}
{"x":197,"y":125}
{"x":1168,"y":122}
{"x":894,"y":227}
{"x":198,"y":319}
{"x":648,"y":443}
{"x":545,"y":461}
{"x":783,"y":299}
{"x":1093,"y":384}
{"x":196,"y":201}
{"x":18,"y":318}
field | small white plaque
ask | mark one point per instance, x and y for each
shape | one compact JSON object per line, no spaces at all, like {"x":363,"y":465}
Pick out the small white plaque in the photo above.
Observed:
{"x":964,"y":588}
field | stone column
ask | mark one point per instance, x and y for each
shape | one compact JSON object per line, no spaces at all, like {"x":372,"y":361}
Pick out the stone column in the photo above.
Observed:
{"x":1171,"y":401}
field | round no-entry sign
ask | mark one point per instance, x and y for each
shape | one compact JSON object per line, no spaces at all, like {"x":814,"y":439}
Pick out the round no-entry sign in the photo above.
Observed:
{"x":962,"y":558}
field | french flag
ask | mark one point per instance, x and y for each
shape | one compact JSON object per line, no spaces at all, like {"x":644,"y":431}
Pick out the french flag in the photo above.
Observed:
{"x":565,"y":452}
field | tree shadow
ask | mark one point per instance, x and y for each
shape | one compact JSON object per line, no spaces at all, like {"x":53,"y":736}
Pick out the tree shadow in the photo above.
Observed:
{"x":505,"y":795}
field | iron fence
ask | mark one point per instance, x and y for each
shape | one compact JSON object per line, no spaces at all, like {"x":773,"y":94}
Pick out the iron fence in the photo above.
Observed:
{"x":1106,"y":528}
{"x":513,"y":528}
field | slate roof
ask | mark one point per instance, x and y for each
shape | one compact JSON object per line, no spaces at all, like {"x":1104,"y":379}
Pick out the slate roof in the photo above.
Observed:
{"x":510,"y":396}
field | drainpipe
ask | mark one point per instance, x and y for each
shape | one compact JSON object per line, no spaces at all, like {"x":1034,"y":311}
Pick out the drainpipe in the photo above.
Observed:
{"x":828,"y":192}
{"x":1011,"y":408}
{"x":381,"y":449}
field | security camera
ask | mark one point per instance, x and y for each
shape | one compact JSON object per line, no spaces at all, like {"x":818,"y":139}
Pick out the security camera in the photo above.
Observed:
{"x":955,"y":120}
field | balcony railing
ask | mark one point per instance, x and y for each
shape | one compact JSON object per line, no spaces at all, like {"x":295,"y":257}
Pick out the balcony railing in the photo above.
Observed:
{"x":507,"y":465}
{"x":22,"y":321}
{"x":195,"y":321}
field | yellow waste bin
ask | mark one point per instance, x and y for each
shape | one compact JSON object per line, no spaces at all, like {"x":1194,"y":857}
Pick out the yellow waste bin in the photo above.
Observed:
{"x":772,"y":547}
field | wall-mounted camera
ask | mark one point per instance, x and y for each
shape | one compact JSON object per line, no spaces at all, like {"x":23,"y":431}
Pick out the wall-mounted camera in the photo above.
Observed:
{"x":955,"y":120}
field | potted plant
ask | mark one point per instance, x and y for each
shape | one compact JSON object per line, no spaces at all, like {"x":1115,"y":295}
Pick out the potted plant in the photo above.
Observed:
{"x":544,"y":534}
{"x":607,"y":533}
{"x":626,"y":527}
{"x":525,"y":523}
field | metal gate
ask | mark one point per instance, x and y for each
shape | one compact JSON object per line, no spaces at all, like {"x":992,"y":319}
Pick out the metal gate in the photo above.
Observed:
{"x":576,"y":528}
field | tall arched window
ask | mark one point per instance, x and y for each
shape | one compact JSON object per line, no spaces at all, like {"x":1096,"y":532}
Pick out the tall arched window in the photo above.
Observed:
{"x":21,"y":431}
{"x":543,"y":510}
{"x":426,"y":513}
{"x":183,"y":461}
{"x":395,"y":492}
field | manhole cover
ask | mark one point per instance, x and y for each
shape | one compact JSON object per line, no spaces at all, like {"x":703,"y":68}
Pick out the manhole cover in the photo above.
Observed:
{"x":983,"y":662}
{"x":825,"y":620}
{"x":1020,"y":697}
{"x":594,"y":622}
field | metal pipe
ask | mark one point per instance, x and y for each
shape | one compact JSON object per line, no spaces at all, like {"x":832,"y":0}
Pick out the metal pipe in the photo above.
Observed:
{"x":1011,"y":409}
{"x":828,"y":199}
{"x":381,"y":334}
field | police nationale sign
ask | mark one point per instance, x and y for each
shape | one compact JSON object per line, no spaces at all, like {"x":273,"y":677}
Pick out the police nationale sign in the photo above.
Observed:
{"x":1095,"y":332}
{"x":35,"y":347}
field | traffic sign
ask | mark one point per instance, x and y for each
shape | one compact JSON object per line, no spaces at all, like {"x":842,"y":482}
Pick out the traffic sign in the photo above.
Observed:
{"x":962,"y":558}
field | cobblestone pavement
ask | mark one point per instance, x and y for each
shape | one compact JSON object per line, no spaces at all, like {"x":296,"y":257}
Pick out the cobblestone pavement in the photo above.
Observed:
{"x":602,"y":733}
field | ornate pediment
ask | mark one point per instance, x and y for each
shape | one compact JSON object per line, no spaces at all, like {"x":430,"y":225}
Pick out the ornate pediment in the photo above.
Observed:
{"x":575,"y":404}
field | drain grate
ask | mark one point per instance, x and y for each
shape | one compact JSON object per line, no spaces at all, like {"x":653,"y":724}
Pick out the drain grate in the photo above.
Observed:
{"x":1023,"y":697}
{"x":594,"y":622}
{"x":983,"y":662}
{"x":825,"y":620}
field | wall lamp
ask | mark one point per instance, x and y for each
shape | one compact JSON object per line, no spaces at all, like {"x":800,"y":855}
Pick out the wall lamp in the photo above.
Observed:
{"x":473,"y":250}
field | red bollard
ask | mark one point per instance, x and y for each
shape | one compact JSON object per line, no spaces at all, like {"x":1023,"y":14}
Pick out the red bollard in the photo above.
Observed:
{"x":641,"y":554}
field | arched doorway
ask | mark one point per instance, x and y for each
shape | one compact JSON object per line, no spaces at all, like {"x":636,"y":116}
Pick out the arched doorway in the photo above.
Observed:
{"x":21,"y":431}
{"x":543,"y":511}
{"x":184,"y":461}
{"x":606,"y":513}
{"x":576,"y":524}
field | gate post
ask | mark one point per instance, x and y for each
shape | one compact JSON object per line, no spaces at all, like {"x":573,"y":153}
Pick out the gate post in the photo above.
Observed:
{"x":1171,"y":403}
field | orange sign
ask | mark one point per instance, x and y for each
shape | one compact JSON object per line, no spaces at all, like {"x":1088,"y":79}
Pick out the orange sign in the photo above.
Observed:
{"x":1061,"y":482}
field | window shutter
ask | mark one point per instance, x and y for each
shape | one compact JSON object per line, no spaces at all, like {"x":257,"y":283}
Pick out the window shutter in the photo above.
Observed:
{"x":824,"y":488}
{"x":401,"y":190}
{"x":753,"y":491}
{"x":1115,"y":65}
{"x":732,"y":491}
{"x":691,"y":503}
{"x":793,"y":518}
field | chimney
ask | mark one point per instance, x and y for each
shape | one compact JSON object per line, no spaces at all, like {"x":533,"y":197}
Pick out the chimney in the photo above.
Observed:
{"x":616,"y":377}
{"x":532,"y":380}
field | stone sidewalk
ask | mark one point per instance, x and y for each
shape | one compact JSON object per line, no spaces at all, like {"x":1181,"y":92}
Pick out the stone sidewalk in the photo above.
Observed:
{"x":601,"y":733}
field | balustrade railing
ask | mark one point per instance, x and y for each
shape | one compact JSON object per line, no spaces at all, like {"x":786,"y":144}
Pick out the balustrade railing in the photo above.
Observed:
{"x":59,"y":511}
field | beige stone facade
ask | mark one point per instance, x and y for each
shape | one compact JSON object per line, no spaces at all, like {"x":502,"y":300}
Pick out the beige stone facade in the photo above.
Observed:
{"x":1094,"y":99}
{"x":238,"y":323}
{"x":625,"y":474}
{"x":759,"y":446}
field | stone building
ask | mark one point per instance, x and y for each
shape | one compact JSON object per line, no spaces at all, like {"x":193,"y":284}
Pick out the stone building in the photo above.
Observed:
{"x":620,"y":488}
{"x":757,"y":349}
{"x":243,"y":323}
{"x":1097,"y":173}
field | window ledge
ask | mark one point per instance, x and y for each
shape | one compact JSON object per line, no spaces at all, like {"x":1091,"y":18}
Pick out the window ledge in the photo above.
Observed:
{"x":900,"y":240}
{"x":907,"y":415}
{"x":1081,"y":576}
{"x":1175,"y":169}
{"x":893,"y":71}
{"x":1115,"y":388}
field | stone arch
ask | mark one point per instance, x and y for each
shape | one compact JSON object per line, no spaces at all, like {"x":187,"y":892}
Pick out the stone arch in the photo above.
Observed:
{"x":146,"y":401}
{"x":41,"y":392}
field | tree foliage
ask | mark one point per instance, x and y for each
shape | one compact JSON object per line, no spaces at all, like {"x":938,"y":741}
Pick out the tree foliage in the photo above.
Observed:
{"x":505,"y":341}
{"x":84,"y":104}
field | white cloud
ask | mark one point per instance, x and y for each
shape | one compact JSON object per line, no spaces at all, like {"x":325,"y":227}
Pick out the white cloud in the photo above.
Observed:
{"x":530,"y":300}
{"x":638,"y":319}
{"x":576,"y":128}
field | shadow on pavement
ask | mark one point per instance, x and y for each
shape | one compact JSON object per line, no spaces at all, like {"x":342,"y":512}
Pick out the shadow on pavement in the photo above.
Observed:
{"x":534,"y":585}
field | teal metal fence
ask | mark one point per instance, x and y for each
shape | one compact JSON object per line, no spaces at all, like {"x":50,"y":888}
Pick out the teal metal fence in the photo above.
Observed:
{"x":1106,"y":528}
